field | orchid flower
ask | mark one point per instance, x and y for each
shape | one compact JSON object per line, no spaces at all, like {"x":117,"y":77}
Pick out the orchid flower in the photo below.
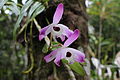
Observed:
{"x":70,"y":54}
{"x":57,"y":30}
{"x":100,"y":66}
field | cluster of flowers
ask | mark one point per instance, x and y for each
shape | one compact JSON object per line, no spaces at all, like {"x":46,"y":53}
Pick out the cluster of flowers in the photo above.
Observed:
{"x":62,"y":31}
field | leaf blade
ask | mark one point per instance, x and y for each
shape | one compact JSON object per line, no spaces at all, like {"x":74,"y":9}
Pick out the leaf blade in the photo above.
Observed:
{"x":2,"y":2}
{"x":77,"y":68}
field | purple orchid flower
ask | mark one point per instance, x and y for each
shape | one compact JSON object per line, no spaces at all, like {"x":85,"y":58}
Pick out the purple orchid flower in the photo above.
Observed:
{"x":70,"y":54}
{"x":57,"y":30}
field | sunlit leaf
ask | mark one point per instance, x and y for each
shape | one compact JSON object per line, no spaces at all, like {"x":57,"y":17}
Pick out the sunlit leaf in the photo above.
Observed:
{"x":38,"y":11}
{"x":22,"y":13}
{"x":33,"y":8}
{"x":26,"y":6}
{"x":2,"y":2}
{"x":14,"y":8}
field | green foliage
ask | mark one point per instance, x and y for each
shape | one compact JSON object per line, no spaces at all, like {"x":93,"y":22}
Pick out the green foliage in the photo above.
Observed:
{"x":12,"y":54}
{"x":77,"y":68}
{"x":11,"y":59}
{"x":45,"y":48}
{"x":2,"y":2}
{"x":35,"y":9}
{"x":55,"y":45}
{"x":108,"y":12}
{"x":14,"y":8}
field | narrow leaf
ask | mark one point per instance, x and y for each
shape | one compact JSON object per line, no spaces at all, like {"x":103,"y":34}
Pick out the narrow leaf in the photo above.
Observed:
{"x":26,"y":6}
{"x":14,"y":8}
{"x":22,"y":13}
{"x":38,"y":11}
{"x":2,"y":2}
{"x":33,"y":8}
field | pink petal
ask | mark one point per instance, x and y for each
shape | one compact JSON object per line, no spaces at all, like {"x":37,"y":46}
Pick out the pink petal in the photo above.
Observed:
{"x":42,"y":32}
{"x":60,"y":55}
{"x":62,"y":37}
{"x":66,"y":31}
{"x":72,"y":38}
{"x":78,"y":55}
{"x":50,"y":56}
{"x":48,"y":30}
{"x":58,"y":14}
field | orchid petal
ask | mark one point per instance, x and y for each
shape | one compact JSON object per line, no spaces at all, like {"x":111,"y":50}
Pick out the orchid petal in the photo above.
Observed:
{"x":72,"y":38}
{"x":54,"y":38}
{"x":58,"y":14}
{"x":95,"y":62}
{"x":42,"y":32}
{"x":109,"y":72}
{"x":48,"y":30}
{"x":62,"y":37}
{"x":99,"y":71}
{"x":60,"y":55}
{"x":66,"y":31}
{"x":50,"y":56}
{"x":78,"y":55}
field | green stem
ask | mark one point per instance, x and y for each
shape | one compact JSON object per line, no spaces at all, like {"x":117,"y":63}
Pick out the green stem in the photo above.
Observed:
{"x":32,"y":63}
{"x":31,"y":52}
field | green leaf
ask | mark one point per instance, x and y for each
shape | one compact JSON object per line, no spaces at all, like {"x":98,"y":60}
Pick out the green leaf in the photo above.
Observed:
{"x":77,"y":68}
{"x":38,"y":11}
{"x":14,"y":8}
{"x":33,"y":8}
{"x":22,"y":13}
{"x":2,"y":2}
{"x":17,"y":25}
{"x":65,"y":61}
{"x":45,"y":48}
{"x":55,"y":45}
{"x":26,"y":6}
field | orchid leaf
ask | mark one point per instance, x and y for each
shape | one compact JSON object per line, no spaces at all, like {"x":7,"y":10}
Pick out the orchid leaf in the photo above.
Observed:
{"x":26,"y":6}
{"x":65,"y":61}
{"x":33,"y":8}
{"x":22,"y":14}
{"x":77,"y":68}
{"x":38,"y":11}
{"x":13,"y":7}
{"x":2,"y":2}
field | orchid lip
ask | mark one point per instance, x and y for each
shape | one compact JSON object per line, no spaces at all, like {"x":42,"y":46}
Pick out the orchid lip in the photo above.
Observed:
{"x":56,"y":28}
{"x":68,"y":54}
